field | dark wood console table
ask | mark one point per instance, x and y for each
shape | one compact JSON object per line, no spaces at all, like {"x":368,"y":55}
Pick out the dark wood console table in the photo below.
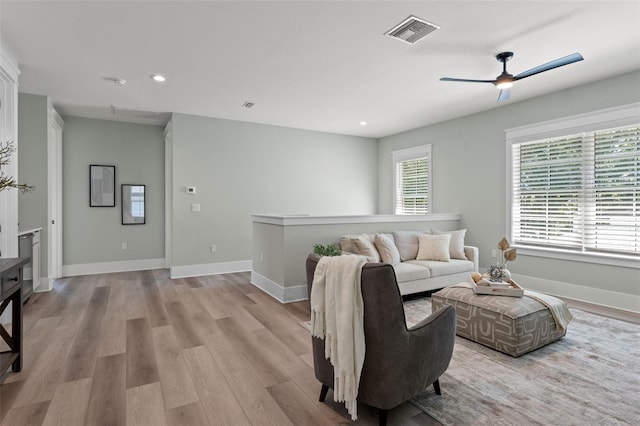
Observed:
{"x":11,"y":291}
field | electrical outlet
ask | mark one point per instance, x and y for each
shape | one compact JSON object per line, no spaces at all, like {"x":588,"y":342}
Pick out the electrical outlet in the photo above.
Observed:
{"x":124,"y":246}
{"x":214,"y":248}
{"x":494,"y":253}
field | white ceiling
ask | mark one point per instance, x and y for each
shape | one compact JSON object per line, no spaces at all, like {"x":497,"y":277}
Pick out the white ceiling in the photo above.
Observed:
{"x":319,"y":65}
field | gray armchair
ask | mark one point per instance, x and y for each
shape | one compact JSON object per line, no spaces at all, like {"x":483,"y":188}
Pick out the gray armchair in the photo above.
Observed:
{"x":399,"y":362}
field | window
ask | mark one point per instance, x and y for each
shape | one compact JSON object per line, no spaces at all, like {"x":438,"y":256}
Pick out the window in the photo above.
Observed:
{"x":577,"y":189}
{"x":412,"y":180}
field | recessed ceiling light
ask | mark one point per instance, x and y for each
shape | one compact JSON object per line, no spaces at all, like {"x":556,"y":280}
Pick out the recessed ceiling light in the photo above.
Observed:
{"x":159,"y":78}
{"x":363,"y":123}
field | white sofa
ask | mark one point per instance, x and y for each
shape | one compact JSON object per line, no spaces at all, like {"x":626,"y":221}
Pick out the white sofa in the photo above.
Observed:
{"x":415,"y":267}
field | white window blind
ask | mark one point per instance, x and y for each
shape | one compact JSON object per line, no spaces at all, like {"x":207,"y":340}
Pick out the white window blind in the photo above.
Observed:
{"x":412,"y":180}
{"x":579,"y":192}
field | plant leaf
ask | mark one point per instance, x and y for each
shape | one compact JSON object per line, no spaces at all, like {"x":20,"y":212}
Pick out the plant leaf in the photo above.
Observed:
{"x":503,"y":244}
{"x":510,"y":254}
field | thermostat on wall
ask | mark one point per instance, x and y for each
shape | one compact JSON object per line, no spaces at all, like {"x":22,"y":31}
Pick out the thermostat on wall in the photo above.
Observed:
{"x":191,"y":189}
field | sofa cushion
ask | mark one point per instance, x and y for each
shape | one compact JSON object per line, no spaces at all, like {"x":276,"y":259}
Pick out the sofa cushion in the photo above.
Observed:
{"x":363,"y":245}
{"x":405,"y":271}
{"x":345,"y":241}
{"x":437,"y":269}
{"x":456,"y":246}
{"x":407,"y":243}
{"x":387,"y":248}
{"x":434,"y":247}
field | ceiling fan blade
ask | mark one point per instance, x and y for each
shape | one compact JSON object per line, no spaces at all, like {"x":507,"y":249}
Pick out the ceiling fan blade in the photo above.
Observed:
{"x":464,"y":80}
{"x":504,"y":95}
{"x":575,"y":57}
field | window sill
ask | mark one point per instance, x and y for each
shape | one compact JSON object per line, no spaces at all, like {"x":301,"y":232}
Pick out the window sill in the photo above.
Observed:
{"x":598,"y":258}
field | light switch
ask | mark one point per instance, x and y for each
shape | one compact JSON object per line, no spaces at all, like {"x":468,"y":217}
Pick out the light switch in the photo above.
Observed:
{"x":191,"y":189}
{"x":195,"y":207}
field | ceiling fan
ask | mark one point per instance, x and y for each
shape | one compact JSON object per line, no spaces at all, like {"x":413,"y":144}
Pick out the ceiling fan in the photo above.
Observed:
{"x":505,"y":80}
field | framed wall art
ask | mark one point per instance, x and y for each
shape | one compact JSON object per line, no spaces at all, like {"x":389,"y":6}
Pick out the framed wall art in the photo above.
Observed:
{"x":102,"y":186}
{"x":133,"y":204}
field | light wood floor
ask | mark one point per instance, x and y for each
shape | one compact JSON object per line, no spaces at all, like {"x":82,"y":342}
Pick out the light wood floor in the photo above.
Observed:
{"x":141,"y":349}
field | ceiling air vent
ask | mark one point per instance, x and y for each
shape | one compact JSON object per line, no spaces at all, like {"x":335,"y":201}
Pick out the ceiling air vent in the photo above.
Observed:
{"x":412,"y":29}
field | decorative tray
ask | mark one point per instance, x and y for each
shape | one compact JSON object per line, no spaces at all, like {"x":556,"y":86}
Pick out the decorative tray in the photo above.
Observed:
{"x":508,"y":288}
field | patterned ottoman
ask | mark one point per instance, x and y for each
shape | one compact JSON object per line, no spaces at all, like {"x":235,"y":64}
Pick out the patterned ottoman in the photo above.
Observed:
{"x":513,"y":325}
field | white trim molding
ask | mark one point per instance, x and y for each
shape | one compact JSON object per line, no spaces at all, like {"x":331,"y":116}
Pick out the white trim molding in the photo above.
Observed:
{"x":108,"y":267}
{"x":618,"y":116}
{"x":9,"y":65}
{"x":599,"y":258}
{"x":612,"y":299}
{"x":279,"y":292}
{"x":185,"y":271}
{"x":300,"y":219}
{"x":45,"y":284}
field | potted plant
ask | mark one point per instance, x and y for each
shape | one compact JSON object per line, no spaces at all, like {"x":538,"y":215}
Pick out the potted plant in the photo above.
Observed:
{"x":6,"y":181}
{"x":508,"y":254}
{"x":328,"y":250}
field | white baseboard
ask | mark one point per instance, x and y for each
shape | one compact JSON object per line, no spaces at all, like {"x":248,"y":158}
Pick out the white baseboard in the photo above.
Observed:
{"x":108,"y":267}
{"x":597,"y":296}
{"x":185,"y":271}
{"x":277,"y":291}
{"x":45,"y":284}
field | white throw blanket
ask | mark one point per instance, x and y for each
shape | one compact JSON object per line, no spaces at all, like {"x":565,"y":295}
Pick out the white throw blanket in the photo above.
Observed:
{"x":557,"y":307}
{"x":337,"y":316}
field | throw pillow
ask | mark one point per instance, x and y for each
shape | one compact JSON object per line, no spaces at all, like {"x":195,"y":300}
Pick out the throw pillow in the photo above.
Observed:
{"x":363,"y":246}
{"x":456,"y":247}
{"x":347,"y":246}
{"x":407,"y":243}
{"x":387,"y":249}
{"x":434,"y":247}
{"x":345,"y":243}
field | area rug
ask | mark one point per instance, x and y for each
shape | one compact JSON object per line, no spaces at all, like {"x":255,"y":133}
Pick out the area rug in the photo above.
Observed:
{"x":589,"y":377}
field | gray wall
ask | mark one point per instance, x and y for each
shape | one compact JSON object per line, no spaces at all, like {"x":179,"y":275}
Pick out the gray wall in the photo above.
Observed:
{"x":32,"y":166}
{"x":243,"y":168}
{"x":95,"y":234}
{"x":469,"y":158}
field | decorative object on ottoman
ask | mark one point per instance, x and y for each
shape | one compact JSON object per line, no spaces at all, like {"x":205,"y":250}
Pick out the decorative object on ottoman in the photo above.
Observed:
{"x":500,"y":272}
{"x":511,"y":325}
{"x":502,"y":288}
{"x":484,"y":285}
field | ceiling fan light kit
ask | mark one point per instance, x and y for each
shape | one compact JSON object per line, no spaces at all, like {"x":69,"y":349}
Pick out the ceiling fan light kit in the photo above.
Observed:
{"x":505,"y":80}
